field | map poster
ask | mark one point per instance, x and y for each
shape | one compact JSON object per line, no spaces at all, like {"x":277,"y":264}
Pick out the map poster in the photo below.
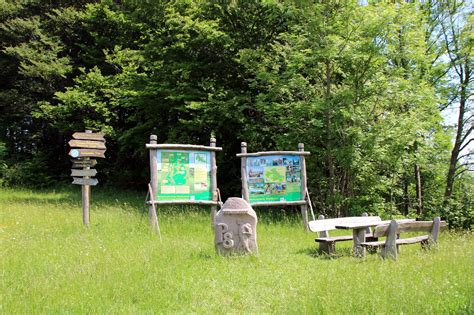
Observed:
{"x":183,"y":175}
{"x":274,"y":178}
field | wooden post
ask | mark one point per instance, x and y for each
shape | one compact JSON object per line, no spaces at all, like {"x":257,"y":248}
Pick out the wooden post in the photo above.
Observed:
{"x":433,"y":239}
{"x":390,"y":248}
{"x":326,"y":247}
{"x":358,"y":236}
{"x":154,"y":185}
{"x":213,"y":180}
{"x":243,"y":171}
{"x":368,"y":230}
{"x":86,"y":195}
{"x":369,"y":234}
{"x":304,"y":208}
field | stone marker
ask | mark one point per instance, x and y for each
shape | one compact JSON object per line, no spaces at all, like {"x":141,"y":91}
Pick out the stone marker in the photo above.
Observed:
{"x":235,"y":227}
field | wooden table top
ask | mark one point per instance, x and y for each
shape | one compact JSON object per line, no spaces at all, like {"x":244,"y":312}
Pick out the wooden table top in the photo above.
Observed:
{"x":362,"y":225}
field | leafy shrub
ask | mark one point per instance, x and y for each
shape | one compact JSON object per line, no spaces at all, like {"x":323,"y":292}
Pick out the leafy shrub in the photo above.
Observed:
{"x":30,"y":173}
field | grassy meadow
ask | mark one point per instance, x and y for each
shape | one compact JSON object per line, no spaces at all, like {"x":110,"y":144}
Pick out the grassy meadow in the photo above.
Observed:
{"x":50,"y":263}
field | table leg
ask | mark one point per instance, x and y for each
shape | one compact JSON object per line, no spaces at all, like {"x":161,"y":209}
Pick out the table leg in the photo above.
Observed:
{"x":359,"y":237}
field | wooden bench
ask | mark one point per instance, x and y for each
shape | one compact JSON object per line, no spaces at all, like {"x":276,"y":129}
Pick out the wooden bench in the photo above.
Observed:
{"x":327,"y":244}
{"x":393,"y":230}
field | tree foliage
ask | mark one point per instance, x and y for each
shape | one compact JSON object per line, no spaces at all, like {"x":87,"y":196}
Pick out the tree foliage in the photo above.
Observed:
{"x":360,"y":85}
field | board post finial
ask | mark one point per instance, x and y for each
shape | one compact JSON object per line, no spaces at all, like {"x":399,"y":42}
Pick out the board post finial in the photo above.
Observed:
{"x":153,"y":139}
{"x":243,"y":147}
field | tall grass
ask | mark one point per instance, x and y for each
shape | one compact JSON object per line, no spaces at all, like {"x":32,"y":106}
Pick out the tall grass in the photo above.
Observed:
{"x":50,"y":263}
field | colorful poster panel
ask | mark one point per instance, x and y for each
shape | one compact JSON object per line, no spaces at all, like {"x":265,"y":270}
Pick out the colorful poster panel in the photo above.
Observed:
{"x":274,"y":178}
{"x":184,"y":175}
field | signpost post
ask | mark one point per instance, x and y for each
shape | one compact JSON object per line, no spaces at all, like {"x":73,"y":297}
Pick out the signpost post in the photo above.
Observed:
{"x":275,"y":178}
{"x":182,"y":174}
{"x":85,"y":145}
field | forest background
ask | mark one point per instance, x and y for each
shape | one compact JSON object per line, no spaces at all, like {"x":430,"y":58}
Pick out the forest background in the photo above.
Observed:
{"x":362,"y":84}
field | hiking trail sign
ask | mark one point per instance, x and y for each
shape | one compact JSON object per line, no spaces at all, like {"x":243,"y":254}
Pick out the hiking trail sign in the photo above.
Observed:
{"x":84,"y":146}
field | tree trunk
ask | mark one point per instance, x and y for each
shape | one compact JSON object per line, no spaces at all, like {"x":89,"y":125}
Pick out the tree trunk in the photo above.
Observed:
{"x":419,"y":198}
{"x":418,"y":187}
{"x":464,"y":80}
{"x":329,"y":157}
{"x":406,"y":197}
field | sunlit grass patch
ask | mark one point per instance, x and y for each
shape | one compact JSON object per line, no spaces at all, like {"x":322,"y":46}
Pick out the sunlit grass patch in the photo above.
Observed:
{"x":51,"y":263}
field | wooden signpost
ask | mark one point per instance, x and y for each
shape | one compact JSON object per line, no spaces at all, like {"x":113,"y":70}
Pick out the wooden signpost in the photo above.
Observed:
{"x":275,"y":178}
{"x":84,"y":172}
{"x":85,"y":145}
{"x":83,"y":163}
{"x":81,"y":153}
{"x":85,"y":181}
{"x":182,"y":174}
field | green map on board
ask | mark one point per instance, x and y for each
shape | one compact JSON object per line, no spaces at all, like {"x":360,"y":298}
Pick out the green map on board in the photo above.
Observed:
{"x":178,"y":168}
{"x":183,"y":175}
{"x":275,"y":174}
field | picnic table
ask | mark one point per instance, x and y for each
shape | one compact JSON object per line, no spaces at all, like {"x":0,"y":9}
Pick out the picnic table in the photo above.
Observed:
{"x":358,"y":232}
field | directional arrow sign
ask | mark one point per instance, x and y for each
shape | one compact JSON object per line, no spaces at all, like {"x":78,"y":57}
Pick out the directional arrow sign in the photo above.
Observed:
{"x":85,"y":181}
{"x":88,"y":144}
{"x":75,"y":153}
{"x":89,"y":136}
{"x":90,"y":173}
{"x":83,"y":163}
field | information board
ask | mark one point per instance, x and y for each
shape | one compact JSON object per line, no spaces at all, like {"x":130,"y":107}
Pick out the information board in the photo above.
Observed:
{"x":274,"y":178}
{"x":183,"y":175}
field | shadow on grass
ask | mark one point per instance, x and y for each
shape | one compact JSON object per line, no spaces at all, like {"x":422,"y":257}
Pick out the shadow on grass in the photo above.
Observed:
{"x":61,"y":198}
{"x":345,"y":252}
{"x":316,"y":253}
{"x":106,"y":196}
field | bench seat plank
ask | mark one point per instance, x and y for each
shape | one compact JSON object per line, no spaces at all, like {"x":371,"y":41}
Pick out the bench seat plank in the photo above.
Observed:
{"x":403,"y":241}
{"x":334,"y":238}
{"x":340,"y":238}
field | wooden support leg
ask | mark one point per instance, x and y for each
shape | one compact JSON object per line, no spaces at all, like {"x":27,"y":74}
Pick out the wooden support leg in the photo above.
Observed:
{"x":327,"y":247}
{"x":432,"y":240}
{"x":213,"y":215}
{"x":152,"y":218}
{"x":304,"y":214}
{"x":359,"y":237}
{"x":389,"y":251}
{"x":398,"y":246}
{"x":390,"y":248}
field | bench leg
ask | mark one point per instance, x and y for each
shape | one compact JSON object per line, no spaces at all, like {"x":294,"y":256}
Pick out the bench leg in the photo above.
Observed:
{"x":389,"y":251}
{"x":433,"y":238}
{"x":327,"y":247}
{"x":390,"y":248}
{"x":398,"y":246}
{"x":358,"y":236}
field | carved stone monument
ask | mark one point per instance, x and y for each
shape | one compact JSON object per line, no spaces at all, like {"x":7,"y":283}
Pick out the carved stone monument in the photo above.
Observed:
{"x":235,"y":227}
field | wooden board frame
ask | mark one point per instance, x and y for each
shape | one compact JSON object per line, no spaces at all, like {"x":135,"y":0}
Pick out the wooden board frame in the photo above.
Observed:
{"x":153,"y":148}
{"x":302,"y":203}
